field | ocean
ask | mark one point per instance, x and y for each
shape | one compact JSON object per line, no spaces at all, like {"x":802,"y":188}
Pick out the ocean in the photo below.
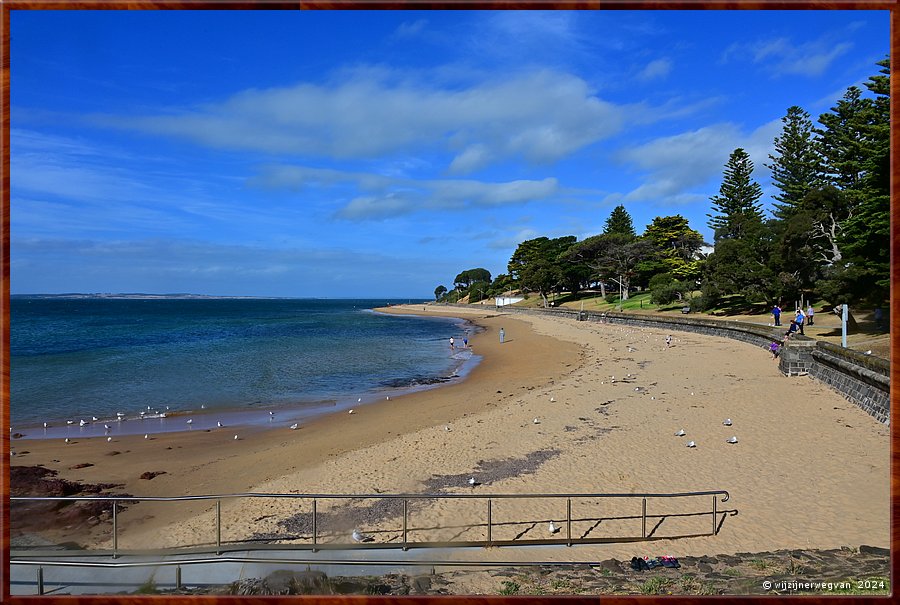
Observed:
{"x":156,"y":362}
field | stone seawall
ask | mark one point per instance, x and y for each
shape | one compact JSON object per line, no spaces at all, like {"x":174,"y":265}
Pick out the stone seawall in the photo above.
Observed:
{"x":861,"y":379}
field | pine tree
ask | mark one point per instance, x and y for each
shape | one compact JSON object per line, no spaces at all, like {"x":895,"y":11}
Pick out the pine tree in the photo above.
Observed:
{"x":846,"y":140}
{"x":796,"y":168}
{"x":737,"y":205}
{"x":619,"y":221}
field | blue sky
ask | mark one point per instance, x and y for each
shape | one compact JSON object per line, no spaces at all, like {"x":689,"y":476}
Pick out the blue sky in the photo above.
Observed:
{"x":346,"y":154}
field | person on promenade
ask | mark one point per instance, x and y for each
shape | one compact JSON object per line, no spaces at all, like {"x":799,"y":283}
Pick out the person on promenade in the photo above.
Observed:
{"x":791,"y":329}
{"x":879,"y":318}
{"x":809,"y":314}
{"x":502,"y":335}
{"x":776,"y":312}
{"x":452,"y":345}
{"x":800,"y":319}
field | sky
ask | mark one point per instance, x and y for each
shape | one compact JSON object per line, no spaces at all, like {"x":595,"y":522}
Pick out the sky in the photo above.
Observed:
{"x":380,"y":153}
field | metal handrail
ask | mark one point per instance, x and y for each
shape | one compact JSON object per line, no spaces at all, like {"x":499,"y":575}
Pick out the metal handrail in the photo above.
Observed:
{"x":405,"y":544}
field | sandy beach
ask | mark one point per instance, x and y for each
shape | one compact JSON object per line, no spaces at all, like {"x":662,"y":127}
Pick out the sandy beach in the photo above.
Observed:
{"x":810,"y":470}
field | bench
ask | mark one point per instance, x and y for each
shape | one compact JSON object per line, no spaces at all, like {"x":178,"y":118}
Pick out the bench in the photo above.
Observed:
{"x":685,"y":310}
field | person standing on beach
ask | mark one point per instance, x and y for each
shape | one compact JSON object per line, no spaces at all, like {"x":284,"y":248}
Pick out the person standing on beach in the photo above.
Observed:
{"x":809,"y":314}
{"x":465,"y":342}
{"x":502,"y":335}
{"x":776,"y":312}
{"x":452,"y":345}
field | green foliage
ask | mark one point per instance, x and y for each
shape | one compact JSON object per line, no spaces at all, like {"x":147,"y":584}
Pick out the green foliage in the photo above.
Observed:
{"x":737,"y":205}
{"x":619,"y":222}
{"x":439,"y":291}
{"x":510,"y":588}
{"x":796,"y":169}
{"x":541,"y":265}
{"x":675,"y":246}
{"x":148,"y":587}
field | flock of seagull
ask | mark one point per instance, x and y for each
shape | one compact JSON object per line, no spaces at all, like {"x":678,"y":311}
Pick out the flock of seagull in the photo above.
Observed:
{"x":727,"y":422}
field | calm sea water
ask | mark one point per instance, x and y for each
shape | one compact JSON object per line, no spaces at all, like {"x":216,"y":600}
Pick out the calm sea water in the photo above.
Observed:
{"x":236,"y":359}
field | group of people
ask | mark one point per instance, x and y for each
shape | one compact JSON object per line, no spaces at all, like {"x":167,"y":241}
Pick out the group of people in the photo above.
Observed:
{"x":796,"y":325}
{"x":466,"y":340}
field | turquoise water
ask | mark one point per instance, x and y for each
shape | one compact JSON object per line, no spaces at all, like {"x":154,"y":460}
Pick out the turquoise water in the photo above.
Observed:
{"x":213,"y":359}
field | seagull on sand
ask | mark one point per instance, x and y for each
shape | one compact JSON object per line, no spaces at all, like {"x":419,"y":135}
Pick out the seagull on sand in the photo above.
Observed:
{"x":350,"y":412}
{"x":358,"y":536}
{"x":359,"y":400}
{"x":271,"y":413}
{"x":552,"y":400}
{"x":387,"y":398}
{"x":536,"y":421}
{"x":447,"y":428}
{"x":727,"y":422}
{"x":235,"y":437}
{"x":45,"y":425}
{"x":731,"y":439}
{"x":67,"y":440}
{"x":190,"y":421}
{"x":471,"y":479}
{"x":219,"y":424}
{"x":70,"y":422}
{"x":552,"y":528}
{"x":108,"y":439}
{"x":146,"y":436}
{"x":106,"y":427}
{"x":680,"y":433}
{"x":94,"y":418}
{"x":295,"y":426}
{"x":691,"y":444}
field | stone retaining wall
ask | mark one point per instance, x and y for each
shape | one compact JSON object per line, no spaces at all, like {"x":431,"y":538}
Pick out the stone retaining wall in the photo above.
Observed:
{"x":861,"y":379}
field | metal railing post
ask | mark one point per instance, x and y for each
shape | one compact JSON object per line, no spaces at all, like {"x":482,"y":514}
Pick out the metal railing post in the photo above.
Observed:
{"x":115,"y":530}
{"x":178,"y":577}
{"x":218,"y":527}
{"x":405,"y":545}
{"x":568,"y":522}
{"x":40,"y":580}
{"x":489,"y":523}
{"x":715,"y":529}
{"x":643,"y":517}
{"x":315,"y":539}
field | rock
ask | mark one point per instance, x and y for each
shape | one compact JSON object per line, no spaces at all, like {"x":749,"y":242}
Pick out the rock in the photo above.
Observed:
{"x":704,"y":567}
{"x":17,"y":435}
{"x":421,"y":584}
{"x":151,"y":474}
{"x":612,"y":565}
{"x":874,"y":550}
{"x":112,"y":453}
{"x":82,"y":465}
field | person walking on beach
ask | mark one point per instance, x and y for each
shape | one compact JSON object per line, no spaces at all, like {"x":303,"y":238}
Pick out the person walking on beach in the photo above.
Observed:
{"x":800,"y":319}
{"x":502,"y":335}
{"x":776,"y":312}
{"x":809,"y":314}
{"x":452,"y":345}
{"x":465,"y":342}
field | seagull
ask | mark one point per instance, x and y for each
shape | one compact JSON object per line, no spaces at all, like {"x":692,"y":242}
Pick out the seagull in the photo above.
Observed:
{"x":731,"y":440}
{"x":271,"y":413}
{"x":219,"y":424}
{"x":45,"y":425}
{"x":552,"y":400}
{"x":163,"y":415}
{"x":692,"y":392}
{"x":680,"y":433}
{"x":202,"y":406}
{"x":94,"y":418}
{"x":727,"y":422}
{"x":447,"y":428}
{"x":552,"y":528}
{"x":471,"y":479}
{"x":359,"y":400}
{"x":358,"y":536}
{"x":691,"y":444}
{"x":350,"y":412}
{"x":70,"y":422}
{"x":106,"y":427}
{"x":637,"y":388}
{"x":295,"y":426}
{"x":148,"y":407}
{"x":536,"y":421}
{"x":190,"y":421}
{"x":67,"y":440}
{"x":146,"y":436}
{"x":108,"y":439}
{"x":869,"y":352}
{"x":387,"y":398}
{"x":235,"y":437}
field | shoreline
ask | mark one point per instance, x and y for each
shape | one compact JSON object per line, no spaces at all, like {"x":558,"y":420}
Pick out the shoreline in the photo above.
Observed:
{"x":247,"y":416}
{"x":596,"y":434}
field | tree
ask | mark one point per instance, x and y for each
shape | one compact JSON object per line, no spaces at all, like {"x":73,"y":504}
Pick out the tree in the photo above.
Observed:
{"x":613,"y":257}
{"x":619,"y":221}
{"x":737,"y":204}
{"x":796,"y":169}
{"x":439,"y":291}
{"x":675,"y":246}
{"x":845,"y":140}
{"x":538,"y":263}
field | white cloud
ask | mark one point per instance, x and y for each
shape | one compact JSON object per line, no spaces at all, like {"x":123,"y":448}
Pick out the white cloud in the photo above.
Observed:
{"x":541,"y":116}
{"x":409,"y":29}
{"x":656,"y":69}
{"x":783,"y":57}
{"x":393,"y":196}
{"x":676,"y":165}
